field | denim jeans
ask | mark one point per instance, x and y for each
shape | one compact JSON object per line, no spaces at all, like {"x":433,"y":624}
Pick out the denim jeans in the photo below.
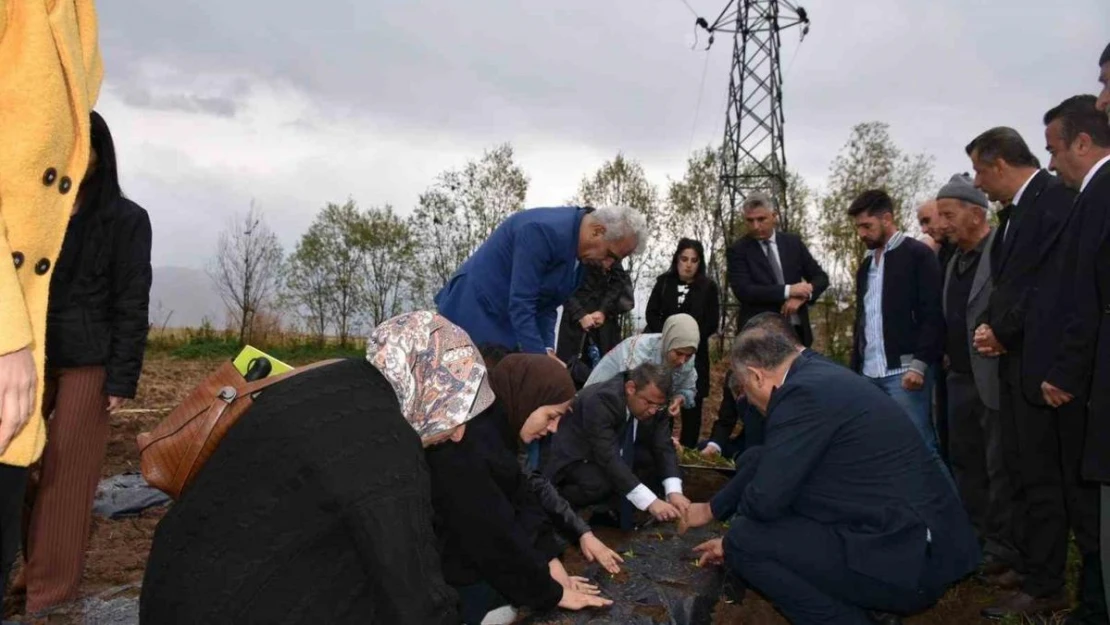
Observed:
{"x":918,"y":406}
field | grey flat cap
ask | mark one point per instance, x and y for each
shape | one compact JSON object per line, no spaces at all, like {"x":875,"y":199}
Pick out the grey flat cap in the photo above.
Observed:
{"x":960,"y":187}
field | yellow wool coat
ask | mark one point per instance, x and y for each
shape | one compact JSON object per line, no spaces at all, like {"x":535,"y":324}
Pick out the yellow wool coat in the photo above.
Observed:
{"x":50,"y":73}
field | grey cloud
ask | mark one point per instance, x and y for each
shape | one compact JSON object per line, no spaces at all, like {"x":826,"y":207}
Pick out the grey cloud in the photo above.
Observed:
{"x":140,"y":97}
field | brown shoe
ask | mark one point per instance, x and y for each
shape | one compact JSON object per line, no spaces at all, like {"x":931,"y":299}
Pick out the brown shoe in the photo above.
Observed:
{"x":1008,"y":580}
{"x":993,"y":566}
{"x":1021,"y":604}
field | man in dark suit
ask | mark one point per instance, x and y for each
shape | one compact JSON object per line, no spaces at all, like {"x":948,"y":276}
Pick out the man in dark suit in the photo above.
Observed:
{"x":842,"y":510}
{"x":1041,"y":445}
{"x":1078,"y":138}
{"x":975,"y":431}
{"x":615,"y":443}
{"x":773,"y":271}
{"x":899,"y":328}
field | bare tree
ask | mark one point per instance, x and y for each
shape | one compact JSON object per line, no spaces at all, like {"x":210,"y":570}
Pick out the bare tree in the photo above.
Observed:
{"x":390,"y":252}
{"x":308,"y":282}
{"x":247,"y":269}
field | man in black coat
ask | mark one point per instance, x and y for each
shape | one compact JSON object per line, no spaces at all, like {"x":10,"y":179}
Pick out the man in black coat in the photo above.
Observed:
{"x":842,"y":510}
{"x":773,"y":271}
{"x":1041,"y":444}
{"x":596,"y":307}
{"x":1078,"y":138}
{"x":899,"y":327}
{"x":615,"y":443}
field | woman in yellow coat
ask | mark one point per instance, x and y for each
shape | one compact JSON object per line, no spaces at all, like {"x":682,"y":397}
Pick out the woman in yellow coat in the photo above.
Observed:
{"x":50,"y":73}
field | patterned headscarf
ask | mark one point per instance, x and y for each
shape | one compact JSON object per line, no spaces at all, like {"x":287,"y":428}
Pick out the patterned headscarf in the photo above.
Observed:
{"x":435,"y":369}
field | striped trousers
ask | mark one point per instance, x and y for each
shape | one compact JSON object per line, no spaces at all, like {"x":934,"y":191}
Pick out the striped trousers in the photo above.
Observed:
{"x":61,"y":487}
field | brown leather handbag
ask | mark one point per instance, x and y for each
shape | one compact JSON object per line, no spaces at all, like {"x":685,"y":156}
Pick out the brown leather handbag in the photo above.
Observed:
{"x":171,"y":454}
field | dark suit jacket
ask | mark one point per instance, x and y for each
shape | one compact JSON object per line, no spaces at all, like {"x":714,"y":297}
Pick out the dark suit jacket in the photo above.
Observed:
{"x":913,"y":324}
{"x":841,"y":452}
{"x":1084,"y":352}
{"x":592,"y":432}
{"x":753,"y":281}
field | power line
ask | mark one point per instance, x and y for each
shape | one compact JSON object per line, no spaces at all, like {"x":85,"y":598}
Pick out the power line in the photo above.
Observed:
{"x":697,"y":108}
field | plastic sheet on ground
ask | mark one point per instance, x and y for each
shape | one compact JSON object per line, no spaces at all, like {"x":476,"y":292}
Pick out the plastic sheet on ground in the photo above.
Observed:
{"x":126,"y":494}
{"x":658,"y":584}
{"x":115,"y":606}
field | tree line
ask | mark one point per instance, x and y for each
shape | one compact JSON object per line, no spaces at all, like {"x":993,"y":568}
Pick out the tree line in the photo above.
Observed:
{"x":357,"y":266}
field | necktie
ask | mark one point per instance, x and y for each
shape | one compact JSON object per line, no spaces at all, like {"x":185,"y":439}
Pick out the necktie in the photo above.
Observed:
{"x":628,"y":454}
{"x":774,"y":260}
{"x":1004,"y":220}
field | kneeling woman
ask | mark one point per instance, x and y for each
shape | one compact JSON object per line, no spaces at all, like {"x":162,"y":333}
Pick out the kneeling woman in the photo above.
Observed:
{"x":496,"y":522}
{"x":315,"y":508}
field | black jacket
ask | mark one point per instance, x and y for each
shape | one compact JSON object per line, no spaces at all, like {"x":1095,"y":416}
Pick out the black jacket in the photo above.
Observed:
{"x":1082,"y":363}
{"x":838,"y":453}
{"x":913,"y":323}
{"x":592,"y":431}
{"x":489,"y":524}
{"x":753,"y":281}
{"x":608,"y":291}
{"x":703,"y":303}
{"x":100,"y":295}
{"x":315,"y":508}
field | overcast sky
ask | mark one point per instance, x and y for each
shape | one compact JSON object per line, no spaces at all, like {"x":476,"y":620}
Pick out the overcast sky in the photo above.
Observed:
{"x":213,"y":104}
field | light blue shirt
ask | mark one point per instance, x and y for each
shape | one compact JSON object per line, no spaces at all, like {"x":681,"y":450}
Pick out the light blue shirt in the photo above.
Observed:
{"x":874,"y":348}
{"x":636,"y":350}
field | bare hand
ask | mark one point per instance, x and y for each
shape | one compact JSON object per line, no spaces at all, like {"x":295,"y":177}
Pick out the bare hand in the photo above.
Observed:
{"x":18,"y":379}
{"x":791,"y":306}
{"x":583,"y":585}
{"x":710,"y":451}
{"x":558,"y":572}
{"x":599,"y":319}
{"x":986,"y":343}
{"x":697,"y":515}
{"x":1054,"y":396}
{"x":913,"y":381}
{"x":711,"y":552}
{"x":803,"y":290}
{"x":597,"y":551}
{"x":574,"y":600}
{"x":663,"y":511}
{"x":675,"y":409}
{"x":587,"y":322}
{"x":679,"y":501}
{"x":115,"y":403}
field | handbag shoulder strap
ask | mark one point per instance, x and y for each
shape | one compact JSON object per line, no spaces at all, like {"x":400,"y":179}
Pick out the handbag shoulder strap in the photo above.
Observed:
{"x":258,"y":385}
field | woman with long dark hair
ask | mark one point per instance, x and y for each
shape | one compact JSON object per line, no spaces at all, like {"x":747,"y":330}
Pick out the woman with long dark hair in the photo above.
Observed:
{"x":687,"y":288}
{"x":96,"y":333}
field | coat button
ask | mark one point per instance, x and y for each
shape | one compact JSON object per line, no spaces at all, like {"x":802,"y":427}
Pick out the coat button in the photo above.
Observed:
{"x":63,"y":186}
{"x":42,"y":266}
{"x":49,"y":176}
{"x":17,"y":259}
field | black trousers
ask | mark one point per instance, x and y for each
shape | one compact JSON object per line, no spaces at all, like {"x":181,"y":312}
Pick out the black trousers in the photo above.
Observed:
{"x":586,"y":484}
{"x":1043,"y":449}
{"x":691,"y":425}
{"x":979,"y":466}
{"x":13,"y":482}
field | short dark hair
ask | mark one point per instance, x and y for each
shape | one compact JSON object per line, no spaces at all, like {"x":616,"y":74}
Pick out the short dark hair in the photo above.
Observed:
{"x":874,"y":202}
{"x":1003,"y":143}
{"x":761,"y":347}
{"x":649,"y":373}
{"x":1105,"y":58}
{"x":772,"y":322}
{"x":1078,"y":115}
{"x":492,"y":353}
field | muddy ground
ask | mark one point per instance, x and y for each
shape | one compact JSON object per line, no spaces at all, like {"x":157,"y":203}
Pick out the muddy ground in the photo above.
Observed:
{"x":118,"y":549}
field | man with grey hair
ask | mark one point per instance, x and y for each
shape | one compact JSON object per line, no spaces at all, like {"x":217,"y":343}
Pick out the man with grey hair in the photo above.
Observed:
{"x":773,"y":271}
{"x":509,"y":291}
{"x":842,"y":510}
{"x":974,"y":428}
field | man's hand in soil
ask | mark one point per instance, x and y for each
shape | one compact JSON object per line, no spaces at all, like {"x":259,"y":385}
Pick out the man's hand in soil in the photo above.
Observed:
{"x":697,"y":515}
{"x":597,"y":551}
{"x":675,"y":409}
{"x":17,"y":393}
{"x":711,"y":451}
{"x":710,"y":552}
{"x":663,"y":511}
{"x":574,"y":600}
{"x":679,"y":501}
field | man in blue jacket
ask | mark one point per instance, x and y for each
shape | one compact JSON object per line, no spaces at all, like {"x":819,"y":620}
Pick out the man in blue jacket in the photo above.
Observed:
{"x":508,"y":292}
{"x":841,"y":511}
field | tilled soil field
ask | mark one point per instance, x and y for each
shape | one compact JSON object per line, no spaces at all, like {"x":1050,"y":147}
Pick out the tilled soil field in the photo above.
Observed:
{"x":118,"y":549}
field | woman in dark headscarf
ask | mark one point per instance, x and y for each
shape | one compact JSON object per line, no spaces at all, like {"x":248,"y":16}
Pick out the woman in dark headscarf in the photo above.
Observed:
{"x":687,"y":288}
{"x":494,"y":522}
{"x":533,"y":393}
{"x":315,"y":508}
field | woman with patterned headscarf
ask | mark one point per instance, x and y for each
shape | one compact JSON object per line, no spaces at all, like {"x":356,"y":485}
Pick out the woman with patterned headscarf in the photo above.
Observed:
{"x":316,"y":506}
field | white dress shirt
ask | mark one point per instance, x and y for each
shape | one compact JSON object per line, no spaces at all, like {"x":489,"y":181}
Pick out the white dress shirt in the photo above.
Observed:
{"x":641,"y":496}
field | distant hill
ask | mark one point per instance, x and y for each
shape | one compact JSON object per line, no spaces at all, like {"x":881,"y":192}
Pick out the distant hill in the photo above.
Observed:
{"x":186,"y":293}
